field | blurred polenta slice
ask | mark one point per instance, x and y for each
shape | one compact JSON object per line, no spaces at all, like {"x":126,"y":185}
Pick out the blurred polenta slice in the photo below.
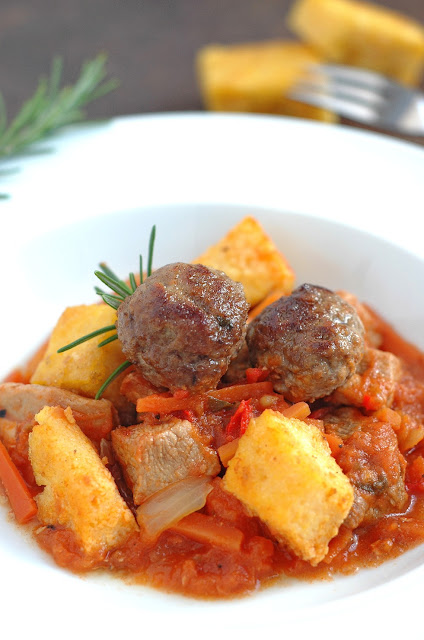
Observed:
{"x":256,"y":78}
{"x":362,"y":35}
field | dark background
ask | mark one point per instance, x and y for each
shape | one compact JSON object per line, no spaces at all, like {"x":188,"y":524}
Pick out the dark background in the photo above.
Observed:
{"x":151,"y":44}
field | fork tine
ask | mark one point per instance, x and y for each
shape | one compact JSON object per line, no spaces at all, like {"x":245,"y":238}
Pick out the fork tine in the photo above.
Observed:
{"x":352,"y":93}
{"x":352,"y":76}
{"x":317,"y":96}
{"x":362,"y":95}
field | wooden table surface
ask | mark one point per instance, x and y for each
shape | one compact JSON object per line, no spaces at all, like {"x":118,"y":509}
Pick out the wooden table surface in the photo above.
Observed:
{"x":151,"y":44}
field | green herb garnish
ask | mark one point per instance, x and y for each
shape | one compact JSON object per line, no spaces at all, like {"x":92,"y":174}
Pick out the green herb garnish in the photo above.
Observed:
{"x":52,"y":107}
{"x":121,"y":291}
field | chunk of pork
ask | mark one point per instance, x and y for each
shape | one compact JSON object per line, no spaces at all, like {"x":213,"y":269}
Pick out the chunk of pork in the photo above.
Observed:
{"x":154,"y":456}
{"x":21,"y":402}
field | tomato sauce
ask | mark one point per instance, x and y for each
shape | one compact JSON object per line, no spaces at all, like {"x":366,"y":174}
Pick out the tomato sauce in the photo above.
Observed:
{"x":177,"y":563}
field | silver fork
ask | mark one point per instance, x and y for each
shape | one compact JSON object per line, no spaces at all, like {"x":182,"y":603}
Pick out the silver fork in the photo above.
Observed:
{"x":364,"y":96}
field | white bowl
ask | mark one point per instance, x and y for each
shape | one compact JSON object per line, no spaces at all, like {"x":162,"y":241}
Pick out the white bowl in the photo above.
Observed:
{"x":344,"y":207}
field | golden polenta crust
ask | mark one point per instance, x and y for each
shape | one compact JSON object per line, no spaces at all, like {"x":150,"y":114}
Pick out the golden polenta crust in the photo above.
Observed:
{"x":84,"y":368}
{"x":284,"y":473}
{"x":247,"y":255}
{"x":79,"y":492}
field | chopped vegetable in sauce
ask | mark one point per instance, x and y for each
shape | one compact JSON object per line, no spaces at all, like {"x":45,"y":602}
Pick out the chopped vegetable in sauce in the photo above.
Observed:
{"x":232,"y":429}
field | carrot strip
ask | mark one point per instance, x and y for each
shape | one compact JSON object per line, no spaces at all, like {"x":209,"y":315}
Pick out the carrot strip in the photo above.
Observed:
{"x":207,"y":530}
{"x":239,"y":392}
{"x":22,"y":502}
{"x":160,"y":404}
{"x":298,"y":410}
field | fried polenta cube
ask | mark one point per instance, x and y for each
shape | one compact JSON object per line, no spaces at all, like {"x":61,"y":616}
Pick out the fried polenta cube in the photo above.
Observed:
{"x":362,"y":35}
{"x":79,"y":492}
{"x":256,"y":78}
{"x":247,"y":255}
{"x":283,"y":472}
{"x":84,"y":368}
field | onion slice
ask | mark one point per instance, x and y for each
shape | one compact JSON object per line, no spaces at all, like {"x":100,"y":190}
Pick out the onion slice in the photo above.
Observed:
{"x":168,"y":506}
{"x":227,"y":451}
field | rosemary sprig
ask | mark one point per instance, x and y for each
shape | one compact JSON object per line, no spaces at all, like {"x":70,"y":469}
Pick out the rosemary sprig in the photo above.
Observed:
{"x":119,"y":287}
{"x":52,"y":107}
{"x":121,"y":291}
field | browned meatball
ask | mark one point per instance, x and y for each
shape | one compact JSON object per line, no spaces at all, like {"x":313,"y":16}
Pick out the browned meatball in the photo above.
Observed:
{"x":183,"y":326}
{"x":310,"y":341}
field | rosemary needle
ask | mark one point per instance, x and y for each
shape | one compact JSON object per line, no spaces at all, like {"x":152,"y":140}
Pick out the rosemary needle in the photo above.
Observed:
{"x":52,"y":107}
{"x":132,"y":282}
{"x":119,"y":287}
{"x":112,"y":377}
{"x":150,"y":254}
{"x":89,"y":336}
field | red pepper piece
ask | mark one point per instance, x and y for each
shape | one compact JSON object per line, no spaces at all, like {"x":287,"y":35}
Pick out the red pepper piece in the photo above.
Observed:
{"x":240,"y":420}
